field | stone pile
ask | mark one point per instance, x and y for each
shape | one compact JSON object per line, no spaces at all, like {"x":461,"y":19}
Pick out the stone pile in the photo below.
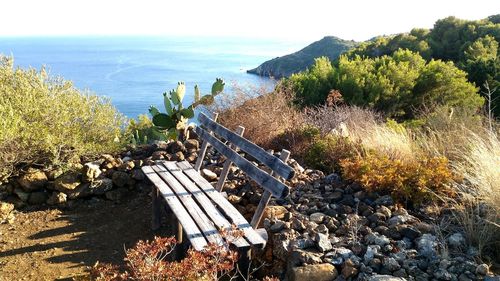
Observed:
{"x":109,"y":176}
{"x":331,"y":230}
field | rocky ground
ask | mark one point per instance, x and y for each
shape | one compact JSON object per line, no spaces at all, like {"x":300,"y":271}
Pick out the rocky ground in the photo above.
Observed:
{"x":327,"y":229}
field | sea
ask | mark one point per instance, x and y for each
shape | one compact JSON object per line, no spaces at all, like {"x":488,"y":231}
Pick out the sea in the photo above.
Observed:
{"x":134,"y":72}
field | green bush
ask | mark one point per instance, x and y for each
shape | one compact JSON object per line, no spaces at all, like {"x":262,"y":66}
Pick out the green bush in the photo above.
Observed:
{"x":45,"y":120}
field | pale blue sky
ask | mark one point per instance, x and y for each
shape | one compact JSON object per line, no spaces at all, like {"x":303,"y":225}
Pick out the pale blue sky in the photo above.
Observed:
{"x":295,"y":20}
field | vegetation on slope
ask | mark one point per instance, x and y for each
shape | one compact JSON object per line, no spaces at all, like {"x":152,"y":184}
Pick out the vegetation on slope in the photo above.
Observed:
{"x":45,"y":120}
{"x":330,"y":47}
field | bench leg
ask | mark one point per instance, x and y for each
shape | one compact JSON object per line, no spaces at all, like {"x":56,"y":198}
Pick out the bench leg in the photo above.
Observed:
{"x":244,"y":263}
{"x":156,"y":210}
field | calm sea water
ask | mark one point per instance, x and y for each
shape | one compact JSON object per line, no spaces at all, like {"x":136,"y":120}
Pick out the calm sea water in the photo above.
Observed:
{"x":135,"y":71}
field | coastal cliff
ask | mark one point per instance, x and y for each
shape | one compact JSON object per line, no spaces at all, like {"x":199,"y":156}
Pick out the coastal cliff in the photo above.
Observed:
{"x":279,"y":67}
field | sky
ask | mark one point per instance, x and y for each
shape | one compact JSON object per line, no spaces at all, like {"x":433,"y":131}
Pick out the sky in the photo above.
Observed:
{"x":294,"y":20}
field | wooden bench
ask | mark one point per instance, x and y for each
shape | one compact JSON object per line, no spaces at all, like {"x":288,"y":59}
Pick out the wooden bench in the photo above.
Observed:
{"x":201,"y":210}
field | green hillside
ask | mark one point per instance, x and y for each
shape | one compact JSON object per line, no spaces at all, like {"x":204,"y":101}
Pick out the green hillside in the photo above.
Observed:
{"x":329,"y":46}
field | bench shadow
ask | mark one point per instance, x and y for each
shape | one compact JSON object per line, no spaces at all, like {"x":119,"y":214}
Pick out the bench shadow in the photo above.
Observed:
{"x":96,"y":230}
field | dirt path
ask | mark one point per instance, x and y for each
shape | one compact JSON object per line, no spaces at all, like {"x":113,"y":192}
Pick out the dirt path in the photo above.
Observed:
{"x":53,"y":244}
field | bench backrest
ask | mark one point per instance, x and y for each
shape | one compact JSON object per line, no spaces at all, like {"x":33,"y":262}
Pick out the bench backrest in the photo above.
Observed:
{"x":270,"y":183}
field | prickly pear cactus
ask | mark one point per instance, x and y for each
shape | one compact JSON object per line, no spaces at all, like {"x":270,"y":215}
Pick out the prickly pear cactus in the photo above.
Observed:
{"x":173,"y":121}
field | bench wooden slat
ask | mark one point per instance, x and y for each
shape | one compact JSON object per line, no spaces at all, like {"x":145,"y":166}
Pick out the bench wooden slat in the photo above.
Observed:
{"x":278,"y":166}
{"x":266,"y":181}
{"x":220,"y":221}
{"x":235,"y":216}
{"x":192,"y":231}
{"x":203,"y":222}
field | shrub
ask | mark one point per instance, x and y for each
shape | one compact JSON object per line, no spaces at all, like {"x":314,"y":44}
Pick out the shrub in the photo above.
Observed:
{"x":264,"y":115}
{"x":412,"y":181}
{"x":46,"y":120}
{"x":148,"y":260}
{"x":326,"y":153}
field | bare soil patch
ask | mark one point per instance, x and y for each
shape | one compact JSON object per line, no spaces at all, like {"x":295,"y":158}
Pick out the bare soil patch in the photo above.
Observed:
{"x":61,"y":244}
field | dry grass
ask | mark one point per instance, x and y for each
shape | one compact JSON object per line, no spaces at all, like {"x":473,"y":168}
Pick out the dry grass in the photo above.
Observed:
{"x":264,"y":115}
{"x":479,"y":211}
{"x":365,"y":126}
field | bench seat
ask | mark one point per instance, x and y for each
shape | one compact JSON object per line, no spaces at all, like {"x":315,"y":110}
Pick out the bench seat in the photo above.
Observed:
{"x":201,"y":210}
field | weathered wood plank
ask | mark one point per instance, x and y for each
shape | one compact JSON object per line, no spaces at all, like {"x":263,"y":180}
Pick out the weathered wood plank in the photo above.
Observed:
{"x":227,"y":164}
{"x":264,"y":200}
{"x":220,"y":221}
{"x":234,"y":215}
{"x":203,"y":222}
{"x":192,"y":231}
{"x":266,"y":181}
{"x":203,"y":149}
{"x":254,"y":150}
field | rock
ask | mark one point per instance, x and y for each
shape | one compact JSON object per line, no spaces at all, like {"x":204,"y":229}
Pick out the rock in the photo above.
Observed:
{"x":175,"y":147}
{"x":316,"y":272}
{"x":159,"y":155}
{"x":277,"y":226}
{"x":482,"y":269}
{"x":54,"y":173}
{"x":209,"y":175}
{"x":426,"y":245}
{"x":322,"y":242}
{"x":178,"y":156}
{"x":333,"y":178}
{"x":300,"y":257}
{"x":399,"y":219}
{"x":371,"y":251}
{"x":377,"y":239}
{"x":24,"y":196}
{"x":336,"y":196}
{"x":67,"y":181}
{"x":317,"y":217}
{"x":5,"y":209}
{"x":57,"y":198}
{"x":32,"y":180}
{"x":456,"y":240}
{"x":442,"y":274}
{"x":385,"y":211}
{"x":349,"y":269}
{"x":81,"y":191}
{"x":101,"y":185}
{"x":38,"y":197}
{"x":275,"y":212}
{"x":137,"y":174}
{"x":116,"y":194}
{"x":120,"y":179}
{"x":390,"y":264}
{"x":90,"y":171}
{"x":385,"y":200}
{"x":191,"y":145}
{"x":378,"y":277}
{"x":410,"y":232}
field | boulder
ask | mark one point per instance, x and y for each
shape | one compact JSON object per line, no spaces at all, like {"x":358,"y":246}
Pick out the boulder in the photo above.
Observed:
{"x":116,"y":194}
{"x":209,"y":175}
{"x":5,"y":209}
{"x":426,"y":245}
{"x":322,"y":242}
{"x":67,"y":181}
{"x":91,"y":171}
{"x":456,"y":240}
{"x":38,"y":197}
{"x":191,"y":145}
{"x":32,"y":180}
{"x":57,"y":198}
{"x":316,"y":272}
{"x":317,"y":217}
{"x":378,"y":277}
{"x":24,"y":196}
{"x":120,"y":179}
